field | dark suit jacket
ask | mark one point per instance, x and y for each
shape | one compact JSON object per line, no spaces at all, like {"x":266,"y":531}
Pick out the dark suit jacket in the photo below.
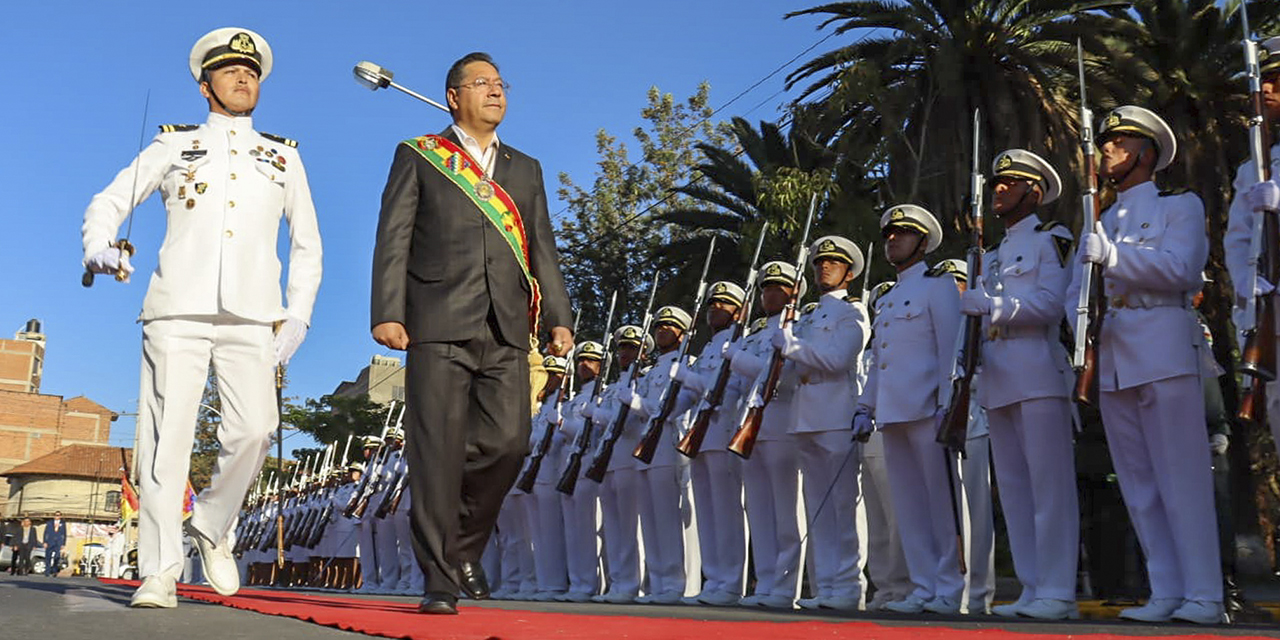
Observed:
{"x":55,"y":536}
{"x":30,"y":541}
{"x":438,"y":265}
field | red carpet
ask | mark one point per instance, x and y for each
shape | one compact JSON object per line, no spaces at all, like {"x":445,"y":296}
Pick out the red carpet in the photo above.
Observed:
{"x":399,"y":620}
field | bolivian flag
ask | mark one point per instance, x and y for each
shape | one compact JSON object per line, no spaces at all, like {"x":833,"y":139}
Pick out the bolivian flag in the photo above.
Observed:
{"x":128,"y":499}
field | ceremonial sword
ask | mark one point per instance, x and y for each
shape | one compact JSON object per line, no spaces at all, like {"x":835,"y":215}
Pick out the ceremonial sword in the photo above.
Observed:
{"x":123,"y":244}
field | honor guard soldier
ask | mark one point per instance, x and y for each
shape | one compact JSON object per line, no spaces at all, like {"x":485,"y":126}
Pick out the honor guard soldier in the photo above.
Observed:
{"x":345,"y":530}
{"x":411,"y":579}
{"x":385,"y":539}
{"x":716,"y":474}
{"x":371,"y":447}
{"x":1021,"y":296}
{"x":581,"y":527}
{"x":547,"y":523}
{"x":513,"y":546}
{"x":826,"y":360}
{"x":663,"y":501}
{"x":619,"y":492}
{"x":886,"y":564}
{"x":771,"y":476}
{"x":1251,"y":201}
{"x":975,"y":479}
{"x":211,"y":300}
{"x":916,"y":325}
{"x":1151,"y":248}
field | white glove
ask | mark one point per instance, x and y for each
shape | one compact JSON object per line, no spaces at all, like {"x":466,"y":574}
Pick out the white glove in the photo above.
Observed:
{"x":681,"y":372}
{"x":783,"y":339}
{"x":289,"y":338}
{"x":1263,"y":196}
{"x":1219,"y":442}
{"x":1097,"y":248}
{"x":975,"y":301}
{"x":730,"y":349}
{"x":863,"y":424}
{"x":109,"y":261}
{"x":627,"y":396}
{"x":1260,"y":288}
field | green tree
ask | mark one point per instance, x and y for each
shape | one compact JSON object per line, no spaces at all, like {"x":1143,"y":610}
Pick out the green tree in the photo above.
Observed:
{"x":613,"y":237}
{"x":334,"y":419}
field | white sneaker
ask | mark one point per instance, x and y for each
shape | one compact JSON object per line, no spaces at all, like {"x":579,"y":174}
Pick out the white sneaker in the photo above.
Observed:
{"x":157,"y":592}
{"x":617,"y":598}
{"x":809,"y":603}
{"x":911,"y":604}
{"x":1012,"y":609}
{"x":691,"y":601}
{"x":220,"y":568}
{"x":943,"y":605}
{"x":1201,"y":612}
{"x":576,"y":596}
{"x":644,"y":599}
{"x":544,"y":596}
{"x":751,"y":601}
{"x":500,"y":594}
{"x":719,"y":598}
{"x":777,"y":602}
{"x":670,"y":597}
{"x":839,"y":604}
{"x":1158,"y":610}
{"x":1050,"y":609}
{"x":881,"y":598}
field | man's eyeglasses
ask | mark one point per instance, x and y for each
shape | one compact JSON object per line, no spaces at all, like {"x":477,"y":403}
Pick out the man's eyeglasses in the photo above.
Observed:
{"x":484,"y":84}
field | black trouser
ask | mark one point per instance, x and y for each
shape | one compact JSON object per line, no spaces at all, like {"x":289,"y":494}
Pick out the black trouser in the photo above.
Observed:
{"x":22,"y":560}
{"x":466,"y":432}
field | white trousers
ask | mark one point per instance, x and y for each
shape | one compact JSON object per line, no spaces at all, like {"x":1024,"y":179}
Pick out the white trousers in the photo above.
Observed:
{"x":620,"y":506}
{"x":1036,"y":471}
{"x":922,"y":502}
{"x":886,"y":563}
{"x":546,"y":523}
{"x":979,"y":525}
{"x":722,"y":533}
{"x":368,"y":554}
{"x":662,"y":529}
{"x":176,"y":355}
{"x":386,"y":540}
{"x":581,"y":538}
{"x":411,"y":577}
{"x":772,"y":483}
{"x":1156,"y":435}
{"x":829,"y":462}
{"x":515,"y":552}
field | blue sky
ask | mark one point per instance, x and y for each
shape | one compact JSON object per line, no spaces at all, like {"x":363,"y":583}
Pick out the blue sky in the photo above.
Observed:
{"x":81,"y":72}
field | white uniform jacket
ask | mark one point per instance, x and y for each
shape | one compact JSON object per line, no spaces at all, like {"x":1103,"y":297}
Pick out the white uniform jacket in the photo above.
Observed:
{"x":648,"y":404}
{"x":826,"y":358}
{"x":548,"y":473}
{"x":225,"y":187}
{"x":724,"y":422}
{"x":916,"y":325}
{"x":1240,"y":224}
{"x":570,"y":427}
{"x":1026,"y":277}
{"x":1149,"y":332}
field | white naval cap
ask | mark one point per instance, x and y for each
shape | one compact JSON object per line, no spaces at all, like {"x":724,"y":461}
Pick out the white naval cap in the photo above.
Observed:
{"x":555,"y":364}
{"x":915,"y":218}
{"x":589,"y":350}
{"x":1020,"y":163}
{"x":725,"y":291}
{"x":396,"y":433}
{"x":630,"y":334}
{"x":1141,"y":122}
{"x":959,"y":269}
{"x":783,"y":273}
{"x":356,"y":466}
{"x":1269,"y":55}
{"x":229,"y":45}
{"x":371,"y":442}
{"x":674,"y":316}
{"x":838,"y":248}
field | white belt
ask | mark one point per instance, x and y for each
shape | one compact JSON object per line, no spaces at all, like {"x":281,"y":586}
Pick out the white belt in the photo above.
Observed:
{"x":1015,"y":333}
{"x":1145,"y":300}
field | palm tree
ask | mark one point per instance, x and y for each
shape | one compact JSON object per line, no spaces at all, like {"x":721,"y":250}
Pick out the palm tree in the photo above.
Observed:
{"x":923,"y":66}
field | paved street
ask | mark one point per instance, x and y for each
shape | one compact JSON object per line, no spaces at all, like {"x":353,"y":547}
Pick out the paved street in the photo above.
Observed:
{"x":79,"y":608}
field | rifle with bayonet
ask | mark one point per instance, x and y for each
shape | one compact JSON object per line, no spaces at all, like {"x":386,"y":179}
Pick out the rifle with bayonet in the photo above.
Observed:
{"x":573,"y":465}
{"x":652,"y":437}
{"x":372,"y":475}
{"x":954,"y":429}
{"x":744,"y":440}
{"x":1258,"y":322}
{"x":530,"y":474}
{"x":691,"y":443}
{"x":604,"y":452}
{"x":1092,"y":304}
{"x":395,"y":486}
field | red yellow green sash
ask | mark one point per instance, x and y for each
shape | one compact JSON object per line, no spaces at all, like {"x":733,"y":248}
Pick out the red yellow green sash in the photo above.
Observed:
{"x":494,"y":202}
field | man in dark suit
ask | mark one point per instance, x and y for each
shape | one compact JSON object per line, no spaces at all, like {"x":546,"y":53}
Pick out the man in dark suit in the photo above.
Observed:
{"x":464,"y":248}
{"x":27,"y":540}
{"x":55,"y":537}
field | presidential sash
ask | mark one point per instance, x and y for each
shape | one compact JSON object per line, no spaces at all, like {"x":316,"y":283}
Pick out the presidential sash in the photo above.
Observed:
{"x":493,"y":201}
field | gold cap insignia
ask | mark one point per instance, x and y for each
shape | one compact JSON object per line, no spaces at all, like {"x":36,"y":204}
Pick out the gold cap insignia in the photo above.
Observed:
{"x":720,"y":288}
{"x":1004,"y":163}
{"x":827,"y":246}
{"x":242,"y":43}
{"x":898,"y":214}
{"x":1113,"y":120}
{"x":773,"y":270}
{"x":630,"y":332}
{"x":665,"y":313}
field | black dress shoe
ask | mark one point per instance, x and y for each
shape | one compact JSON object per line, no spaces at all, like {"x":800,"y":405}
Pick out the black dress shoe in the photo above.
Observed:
{"x":439,"y":604}
{"x":471,"y":579}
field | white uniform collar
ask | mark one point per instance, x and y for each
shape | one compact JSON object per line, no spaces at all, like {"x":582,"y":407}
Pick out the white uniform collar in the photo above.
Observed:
{"x":1024,"y":225}
{"x":225,"y":123}
{"x":1137,"y":193}
{"x":838,"y":294}
{"x":912,"y":272}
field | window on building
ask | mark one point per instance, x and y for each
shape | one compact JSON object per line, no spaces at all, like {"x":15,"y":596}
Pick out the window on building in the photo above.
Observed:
{"x":113,"y":502}
{"x":397,"y":393}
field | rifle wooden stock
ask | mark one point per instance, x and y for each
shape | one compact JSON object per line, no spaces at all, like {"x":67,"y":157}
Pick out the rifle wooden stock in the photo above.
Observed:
{"x":954,"y":429}
{"x":1086,"y":389}
{"x":1258,"y":358}
{"x":691,"y":442}
{"x":530,"y":475}
{"x":569,"y":479}
{"x":600,"y":463}
{"x":744,"y":439}
{"x":652,"y":437}
{"x":1253,"y":398}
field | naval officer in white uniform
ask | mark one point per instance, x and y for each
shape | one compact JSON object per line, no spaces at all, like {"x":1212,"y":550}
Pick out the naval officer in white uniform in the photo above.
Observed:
{"x":212,"y":299}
